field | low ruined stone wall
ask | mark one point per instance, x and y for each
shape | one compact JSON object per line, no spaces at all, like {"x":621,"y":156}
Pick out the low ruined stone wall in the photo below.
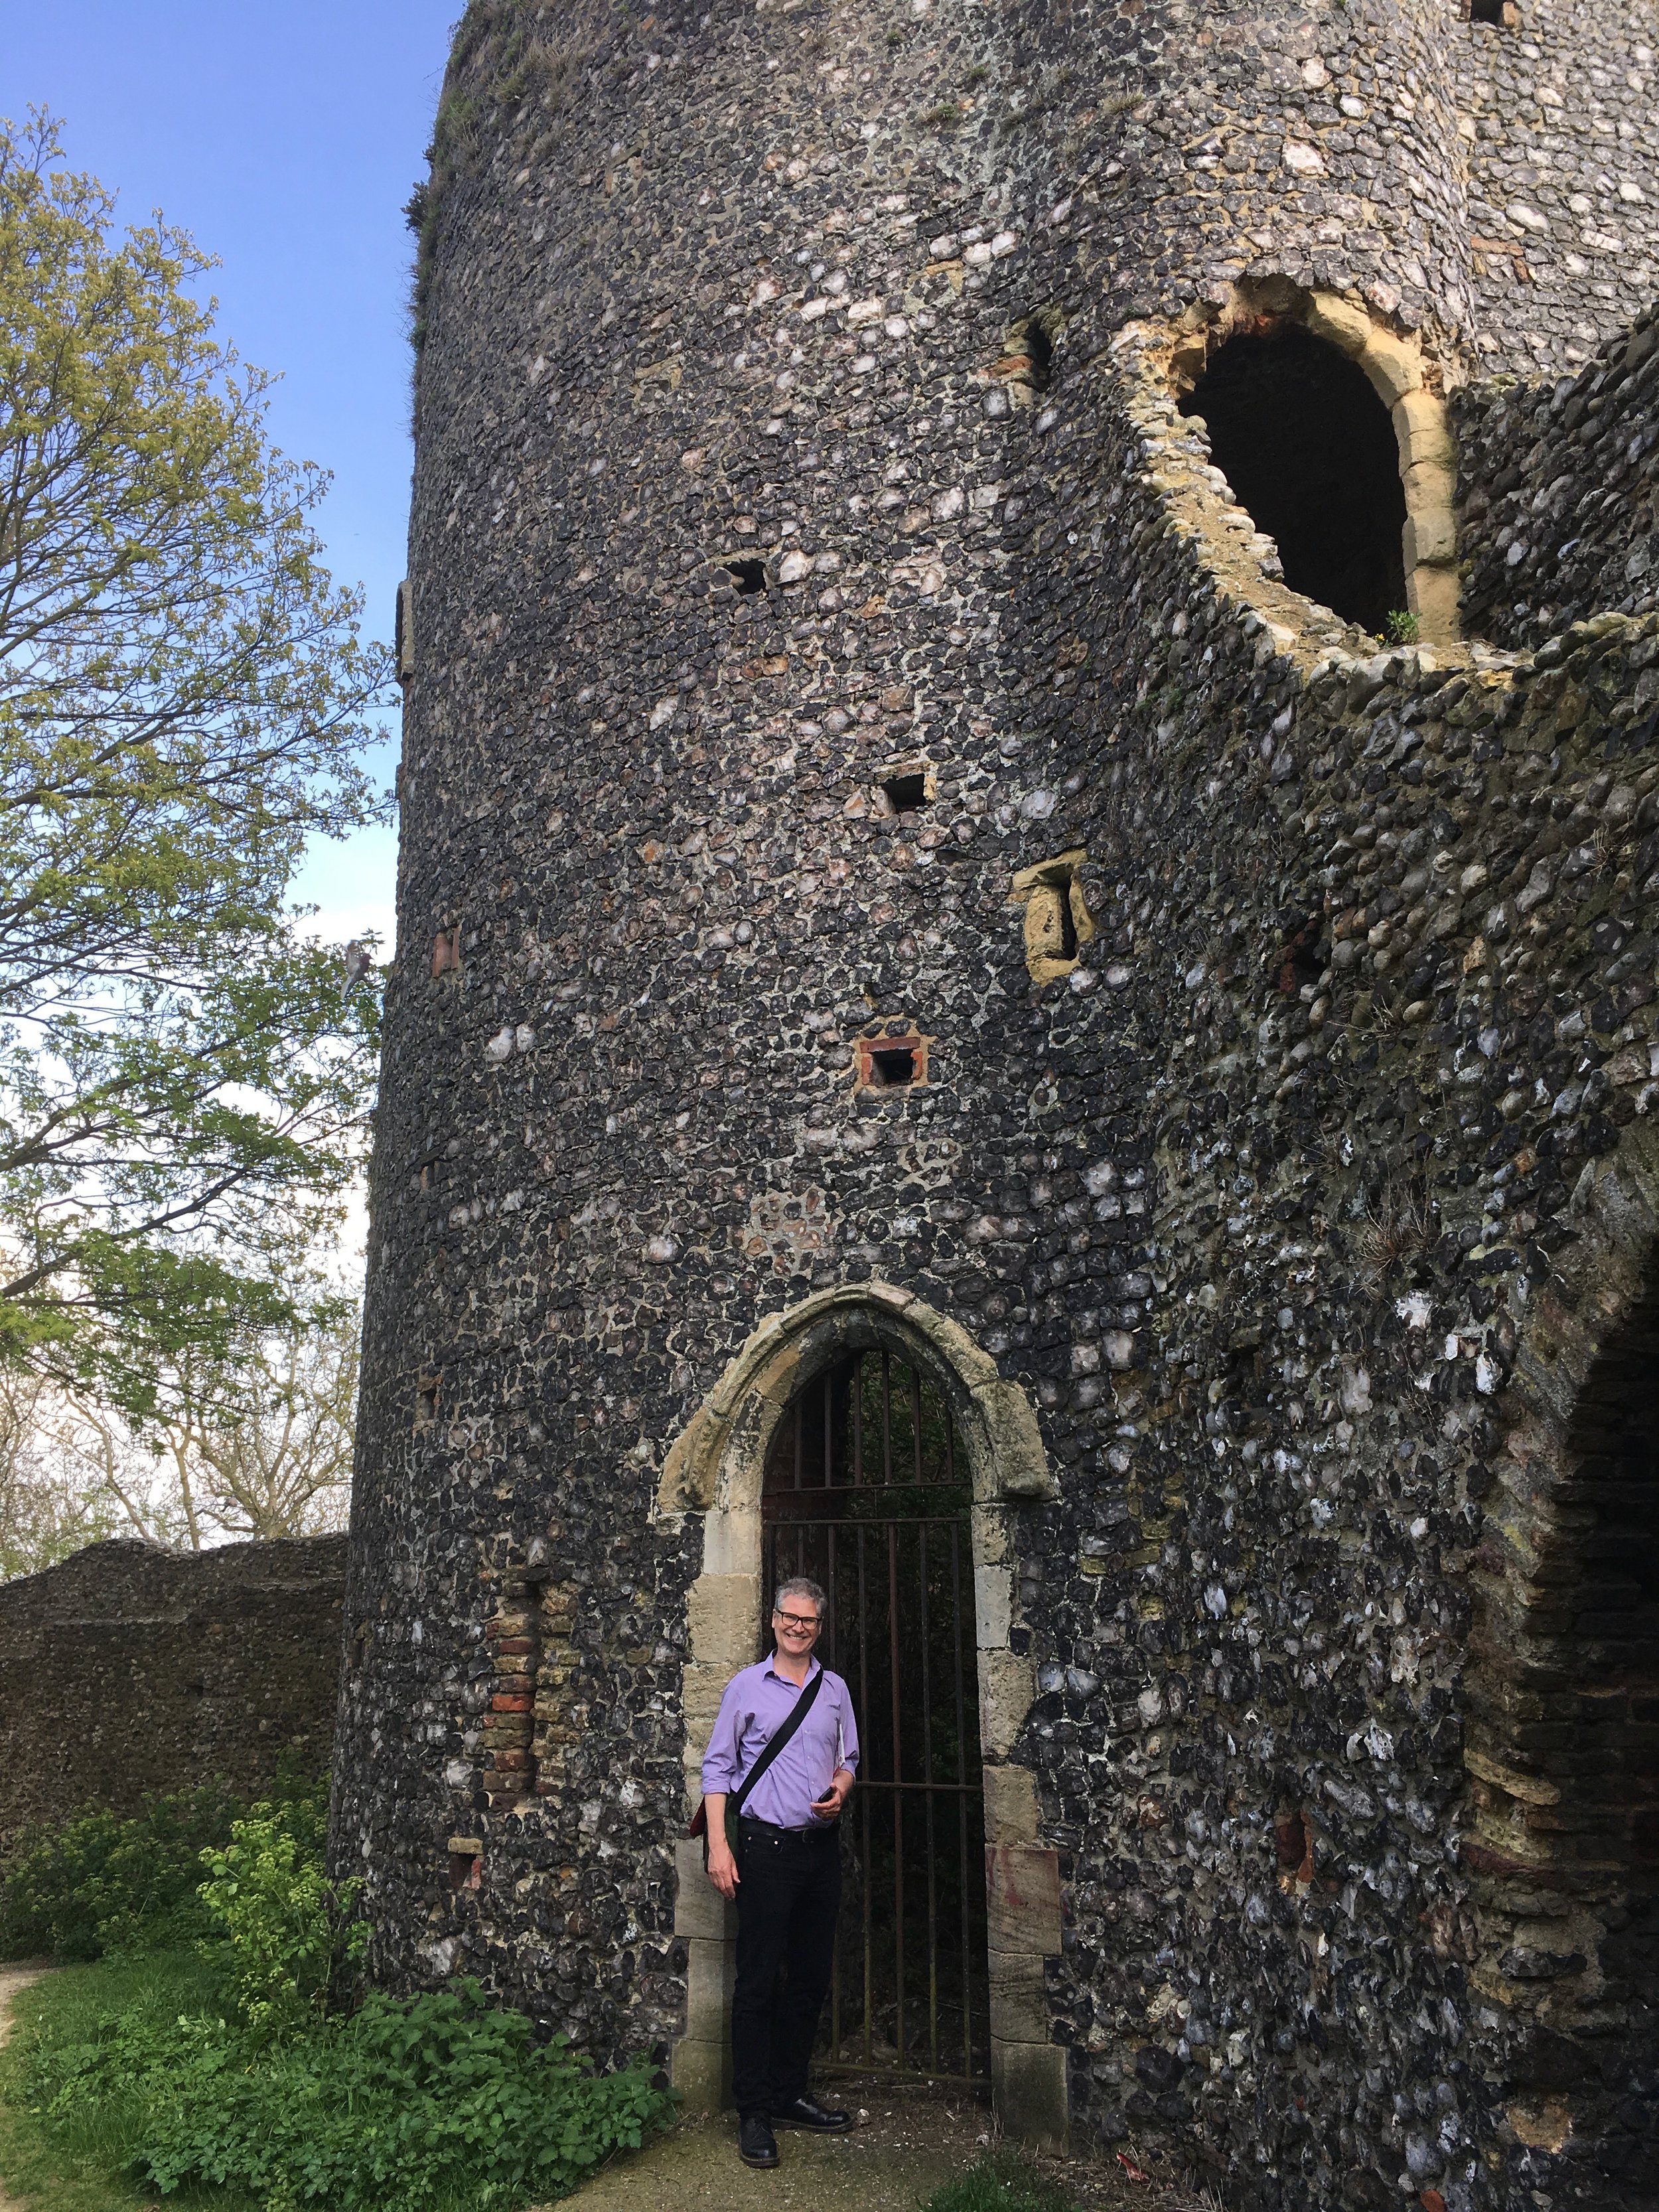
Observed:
{"x":128,"y":1669}
{"x":1559,"y":487}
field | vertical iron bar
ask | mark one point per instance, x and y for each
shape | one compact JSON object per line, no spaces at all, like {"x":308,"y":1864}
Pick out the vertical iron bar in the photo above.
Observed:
{"x":886,"y":1419}
{"x":927,"y":1775}
{"x":828,"y":1432}
{"x":798,"y":1441}
{"x":961,"y":1806}
{"x":898,"y":1778}
{"x":858,"y":1419}
{"x":863,"y":1707}
{"x":916,"y":1423}
{"x":831,"y":1606}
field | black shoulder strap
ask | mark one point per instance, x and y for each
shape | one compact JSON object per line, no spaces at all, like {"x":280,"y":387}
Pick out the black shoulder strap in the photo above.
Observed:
{"x":775,"y":1743}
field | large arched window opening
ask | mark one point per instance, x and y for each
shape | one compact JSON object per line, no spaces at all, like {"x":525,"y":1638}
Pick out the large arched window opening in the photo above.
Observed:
{"x":1311,"y":453}
{"x":867,"y":1490}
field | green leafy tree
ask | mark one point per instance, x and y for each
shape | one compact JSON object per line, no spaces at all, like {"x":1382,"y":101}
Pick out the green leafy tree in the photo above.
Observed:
{"x":183,"y":698}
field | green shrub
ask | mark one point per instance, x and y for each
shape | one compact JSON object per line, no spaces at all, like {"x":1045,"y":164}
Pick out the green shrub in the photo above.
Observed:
{"x":286,"y":1928}
{"x":432,"y":2103}
{"x":101,"y":1883}
{"x":1000,"y":2182}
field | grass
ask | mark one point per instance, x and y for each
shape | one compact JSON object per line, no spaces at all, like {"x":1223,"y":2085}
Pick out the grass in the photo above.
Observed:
{"x":1000,"y":2182}
{"x":77,"y":2164}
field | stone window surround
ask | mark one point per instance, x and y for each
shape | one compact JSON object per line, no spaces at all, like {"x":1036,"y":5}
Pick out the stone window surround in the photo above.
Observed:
{"x":1040,"y":889}
{"x":714,"y":1470}
{"x":1404,"y":378}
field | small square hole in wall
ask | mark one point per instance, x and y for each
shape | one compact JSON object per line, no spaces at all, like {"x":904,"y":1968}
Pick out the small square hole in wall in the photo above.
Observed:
{"x":1502,"y":13}
{"x":892,"y":1059}
{"x":749,"y":576}
{"x":425,"y":1399}
{"x":466,"y":1862}
{"x":906,"y":793}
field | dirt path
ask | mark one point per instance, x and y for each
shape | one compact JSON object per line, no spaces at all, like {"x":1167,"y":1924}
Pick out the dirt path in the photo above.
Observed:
{"x":14,"y":1980}
{"x":895,"y":2158}
{"x":893,"y":2161}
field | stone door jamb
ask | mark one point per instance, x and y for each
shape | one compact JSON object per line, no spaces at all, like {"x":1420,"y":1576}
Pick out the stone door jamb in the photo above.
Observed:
{"x":715,"y":1470}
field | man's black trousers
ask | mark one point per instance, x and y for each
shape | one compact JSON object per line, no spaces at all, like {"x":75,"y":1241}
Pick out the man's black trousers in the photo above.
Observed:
{"x":788,"y":1895}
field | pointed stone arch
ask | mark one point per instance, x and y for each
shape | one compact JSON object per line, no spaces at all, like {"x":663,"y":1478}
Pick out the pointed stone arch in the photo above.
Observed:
{"x":1563,"y":1691}
{"x":714,"y":1471}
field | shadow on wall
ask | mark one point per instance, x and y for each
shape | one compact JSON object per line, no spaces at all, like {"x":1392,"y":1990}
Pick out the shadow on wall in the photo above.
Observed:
{"x":1310,"y":451}
{"x":1564,"y":1752}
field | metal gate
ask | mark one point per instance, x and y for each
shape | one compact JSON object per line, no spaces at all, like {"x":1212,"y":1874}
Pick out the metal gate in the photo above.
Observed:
{"x":867,"y":1490}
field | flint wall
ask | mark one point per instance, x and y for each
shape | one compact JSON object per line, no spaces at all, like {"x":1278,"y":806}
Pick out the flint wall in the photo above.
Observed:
{"x":1254,"y":1198}
{"x":128,"y":1669}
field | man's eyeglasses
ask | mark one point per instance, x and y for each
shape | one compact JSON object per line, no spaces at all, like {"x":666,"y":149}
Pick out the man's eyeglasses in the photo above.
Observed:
{"x":802,"y":1620}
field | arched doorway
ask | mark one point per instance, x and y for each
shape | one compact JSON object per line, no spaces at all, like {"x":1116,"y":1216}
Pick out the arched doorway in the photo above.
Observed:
{"x":713,"y":1485}
{"x":866,"y":1490}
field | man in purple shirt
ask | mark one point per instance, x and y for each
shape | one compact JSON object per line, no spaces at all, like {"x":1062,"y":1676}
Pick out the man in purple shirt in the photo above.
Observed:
{"x":785,"y":1876}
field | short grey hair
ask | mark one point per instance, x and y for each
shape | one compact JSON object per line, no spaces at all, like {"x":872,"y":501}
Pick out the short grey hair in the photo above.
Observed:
{"x":800,"y":1586}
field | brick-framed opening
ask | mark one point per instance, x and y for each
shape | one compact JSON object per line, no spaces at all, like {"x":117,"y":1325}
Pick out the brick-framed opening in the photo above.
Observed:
{"x":891,"y":1056}
{"x":715,"y":1470}
{"x":1563,"y":1749}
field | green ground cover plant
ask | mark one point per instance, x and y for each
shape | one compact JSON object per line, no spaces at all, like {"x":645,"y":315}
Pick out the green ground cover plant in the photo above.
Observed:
{"x":214,"y":2073}
{"x":1001,"y":2181}
{"x":99,"y":1883}
{"x":86,"y":2160}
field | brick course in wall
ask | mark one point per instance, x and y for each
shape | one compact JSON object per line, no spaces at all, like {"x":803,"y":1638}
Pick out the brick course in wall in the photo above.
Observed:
{"x":741,"y":492}
{"x":128,"y":1669}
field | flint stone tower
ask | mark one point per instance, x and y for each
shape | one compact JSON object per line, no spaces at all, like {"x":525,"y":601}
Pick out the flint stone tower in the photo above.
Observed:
{"x":914,"y":853}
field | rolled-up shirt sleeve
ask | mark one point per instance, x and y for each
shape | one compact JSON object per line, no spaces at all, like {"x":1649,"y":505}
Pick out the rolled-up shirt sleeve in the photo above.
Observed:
{"x":721,"y":1763}
{"x":849,"y":1735}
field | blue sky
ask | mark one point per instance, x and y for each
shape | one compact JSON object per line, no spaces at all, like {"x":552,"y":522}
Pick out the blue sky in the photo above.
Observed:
{"x":285,"y":138}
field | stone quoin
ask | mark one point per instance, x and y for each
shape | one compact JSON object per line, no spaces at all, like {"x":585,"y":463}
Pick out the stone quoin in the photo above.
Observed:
{"x":915,"y":843}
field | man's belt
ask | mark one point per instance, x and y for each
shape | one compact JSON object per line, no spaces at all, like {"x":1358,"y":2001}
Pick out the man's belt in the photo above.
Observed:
{"x":786,"y":1835}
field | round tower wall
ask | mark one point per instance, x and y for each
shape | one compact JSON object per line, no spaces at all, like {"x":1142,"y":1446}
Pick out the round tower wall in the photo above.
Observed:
{"x":704,"y":295}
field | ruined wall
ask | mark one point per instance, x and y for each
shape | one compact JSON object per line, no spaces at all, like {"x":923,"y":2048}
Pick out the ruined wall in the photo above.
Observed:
{"x":1557,"y":114}
{"x":1558,"y":486}
{"x":1253,"y":1198}
{"x":128,"y":1669}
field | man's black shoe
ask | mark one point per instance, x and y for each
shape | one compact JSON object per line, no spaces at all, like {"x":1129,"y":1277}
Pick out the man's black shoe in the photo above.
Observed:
{"x":756,"y":2146}
{"x":802,"y":2112}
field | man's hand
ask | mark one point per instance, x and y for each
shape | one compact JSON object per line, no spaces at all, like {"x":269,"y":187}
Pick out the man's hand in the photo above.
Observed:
{"x":828,"y":1808}
{"x":722,"y":1867}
